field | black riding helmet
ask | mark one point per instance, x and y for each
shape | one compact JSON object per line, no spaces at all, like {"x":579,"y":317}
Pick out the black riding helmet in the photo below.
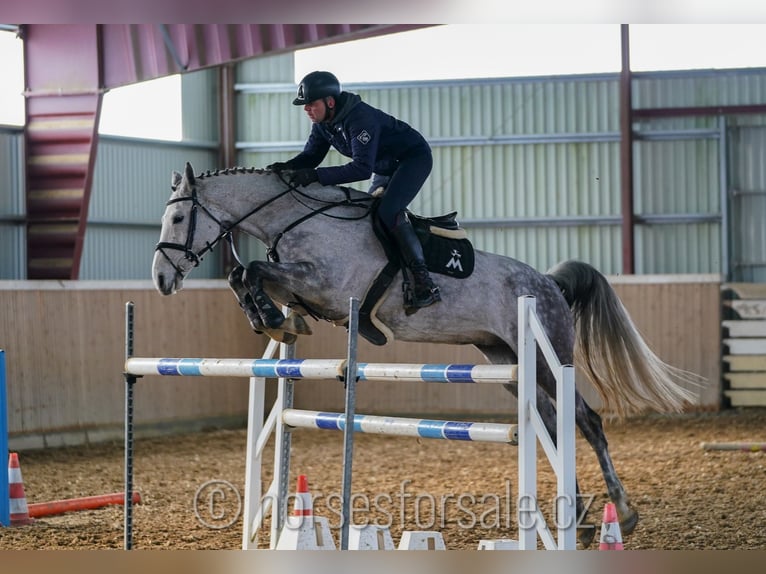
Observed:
{"x":317,"y":85}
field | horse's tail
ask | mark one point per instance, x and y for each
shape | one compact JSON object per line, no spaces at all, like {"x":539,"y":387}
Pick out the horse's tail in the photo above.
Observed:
{"x":627,"y":374}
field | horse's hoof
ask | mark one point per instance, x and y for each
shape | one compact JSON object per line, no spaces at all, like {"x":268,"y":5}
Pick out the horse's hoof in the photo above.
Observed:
{"x":296,"y":324}
{"x":585,"y":534}
{"x":628,"y":523}
{"x":282,"y":336}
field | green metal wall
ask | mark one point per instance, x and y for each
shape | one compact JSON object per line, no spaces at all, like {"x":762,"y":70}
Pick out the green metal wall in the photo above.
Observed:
{"x":12,"y":205}
{"x":531,"y":164}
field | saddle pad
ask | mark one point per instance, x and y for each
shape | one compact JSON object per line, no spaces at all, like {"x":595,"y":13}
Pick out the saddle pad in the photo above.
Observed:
{"x":447,"y":255}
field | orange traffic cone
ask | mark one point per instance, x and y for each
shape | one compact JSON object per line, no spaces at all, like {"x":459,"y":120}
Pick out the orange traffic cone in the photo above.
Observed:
{"x":303,"y":530}
{"x":611,"y":537}
{"x":303,"y":504}
{"x":18,"y":500}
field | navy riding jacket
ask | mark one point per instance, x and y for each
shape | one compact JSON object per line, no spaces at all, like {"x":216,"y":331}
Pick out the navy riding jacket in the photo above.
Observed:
{"x":374,"y":140}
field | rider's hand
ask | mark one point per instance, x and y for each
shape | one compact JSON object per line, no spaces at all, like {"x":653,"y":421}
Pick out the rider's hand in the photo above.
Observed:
{"x":278,"y":166}
{"x":304,"y":177}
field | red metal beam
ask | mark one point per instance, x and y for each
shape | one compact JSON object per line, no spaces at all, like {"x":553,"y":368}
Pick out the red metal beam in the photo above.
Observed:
{"x":63,"y":103}
{"x":626,"y":157}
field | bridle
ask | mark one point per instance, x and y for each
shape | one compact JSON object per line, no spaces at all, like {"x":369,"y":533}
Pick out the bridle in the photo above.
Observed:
{"x":226,"y":228}
{"x":186,"y":248}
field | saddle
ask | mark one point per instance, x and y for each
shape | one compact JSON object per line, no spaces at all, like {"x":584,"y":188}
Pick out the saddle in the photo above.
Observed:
{"x":447,"y":250}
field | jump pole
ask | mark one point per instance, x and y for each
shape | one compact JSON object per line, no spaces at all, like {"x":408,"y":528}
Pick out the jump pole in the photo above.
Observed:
{"x":736,"y":446}
{"x":39,"y":509}
{"x":322,"y":369}
{"x":399,"y":426}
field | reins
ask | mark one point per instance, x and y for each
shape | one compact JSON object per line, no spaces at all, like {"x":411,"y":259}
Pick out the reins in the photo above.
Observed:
{"x":226,"y":229}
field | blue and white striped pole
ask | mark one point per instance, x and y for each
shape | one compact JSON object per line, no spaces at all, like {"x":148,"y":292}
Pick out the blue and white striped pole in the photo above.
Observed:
{"x":324,"y":369}
{"x":399,"y":426}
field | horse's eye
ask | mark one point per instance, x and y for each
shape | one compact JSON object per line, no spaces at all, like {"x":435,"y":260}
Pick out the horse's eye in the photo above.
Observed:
{"x":178,"y":218}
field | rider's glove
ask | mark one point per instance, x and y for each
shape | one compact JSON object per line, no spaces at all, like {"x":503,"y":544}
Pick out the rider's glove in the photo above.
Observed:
{"x":278,"y":166}
{"x":304,"y":177}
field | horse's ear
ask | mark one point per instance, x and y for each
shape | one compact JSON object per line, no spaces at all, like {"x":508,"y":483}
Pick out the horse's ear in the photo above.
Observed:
{"x":189,"y":173}
{"x":175,"y":180}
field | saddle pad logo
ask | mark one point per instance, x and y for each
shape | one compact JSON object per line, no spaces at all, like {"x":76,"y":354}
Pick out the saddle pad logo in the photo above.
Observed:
{"x":454,"y":262}
{"x":364,"y":137}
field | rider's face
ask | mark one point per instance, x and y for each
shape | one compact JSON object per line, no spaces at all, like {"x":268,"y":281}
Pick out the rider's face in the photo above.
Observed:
{"x":317,"y":111}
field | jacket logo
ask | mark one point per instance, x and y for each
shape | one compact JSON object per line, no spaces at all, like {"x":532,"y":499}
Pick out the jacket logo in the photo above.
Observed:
{"x":454,"y":263}
{"x":364,"y":137}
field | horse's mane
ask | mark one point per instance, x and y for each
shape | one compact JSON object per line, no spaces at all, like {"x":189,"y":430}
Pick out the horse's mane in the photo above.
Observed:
{"x":231,"y":171}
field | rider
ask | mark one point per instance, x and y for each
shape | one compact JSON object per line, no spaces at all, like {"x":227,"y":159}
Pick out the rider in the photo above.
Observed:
{"x":378,"y":144}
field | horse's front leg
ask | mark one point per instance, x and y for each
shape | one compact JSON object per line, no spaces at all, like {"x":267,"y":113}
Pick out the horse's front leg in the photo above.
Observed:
{"x":270,"y":315}
{"x":292,"y":326}
{"x":244,"y":299}
{"x":284,"y":281}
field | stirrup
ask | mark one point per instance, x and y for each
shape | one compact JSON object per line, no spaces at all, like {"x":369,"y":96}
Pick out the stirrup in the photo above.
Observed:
{"x":412,"y":303}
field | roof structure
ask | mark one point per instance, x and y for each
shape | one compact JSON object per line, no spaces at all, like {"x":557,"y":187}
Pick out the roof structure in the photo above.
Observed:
{"x":68,"y":69}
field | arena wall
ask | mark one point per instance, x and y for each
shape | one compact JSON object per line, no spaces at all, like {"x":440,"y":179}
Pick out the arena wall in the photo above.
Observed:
{"x":65,"y":350}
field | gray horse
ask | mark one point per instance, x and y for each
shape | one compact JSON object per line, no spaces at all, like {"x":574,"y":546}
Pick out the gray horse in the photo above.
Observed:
{"x":323,"y":250}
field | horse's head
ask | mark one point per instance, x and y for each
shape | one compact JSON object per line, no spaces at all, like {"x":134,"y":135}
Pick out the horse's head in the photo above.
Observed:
{"x":189,"y":231}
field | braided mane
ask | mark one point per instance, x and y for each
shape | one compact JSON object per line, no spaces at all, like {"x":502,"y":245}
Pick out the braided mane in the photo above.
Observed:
{"x":231,"y":171}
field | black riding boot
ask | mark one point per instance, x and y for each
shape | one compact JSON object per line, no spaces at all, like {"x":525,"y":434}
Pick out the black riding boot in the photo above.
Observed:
{"x":424,"y":290}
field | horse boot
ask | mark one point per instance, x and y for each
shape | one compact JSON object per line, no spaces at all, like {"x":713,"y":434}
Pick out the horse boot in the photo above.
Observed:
{"x":424,"y":291}
{"x":244,"y":299}
{"x":270,"y":315}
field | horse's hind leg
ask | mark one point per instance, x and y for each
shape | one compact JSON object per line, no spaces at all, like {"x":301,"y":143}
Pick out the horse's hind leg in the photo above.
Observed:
{"x":589,"y":423}
{"x":547,"y":410}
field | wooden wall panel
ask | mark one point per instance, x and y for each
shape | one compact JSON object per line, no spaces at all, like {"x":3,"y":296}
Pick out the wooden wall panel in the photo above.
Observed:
{"x":65,"y":349}
{"x":680,"y":318}
{"x":64,"y":344}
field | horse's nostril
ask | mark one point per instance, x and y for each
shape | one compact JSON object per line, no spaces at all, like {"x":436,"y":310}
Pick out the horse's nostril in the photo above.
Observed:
{"x":161,"y":281}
